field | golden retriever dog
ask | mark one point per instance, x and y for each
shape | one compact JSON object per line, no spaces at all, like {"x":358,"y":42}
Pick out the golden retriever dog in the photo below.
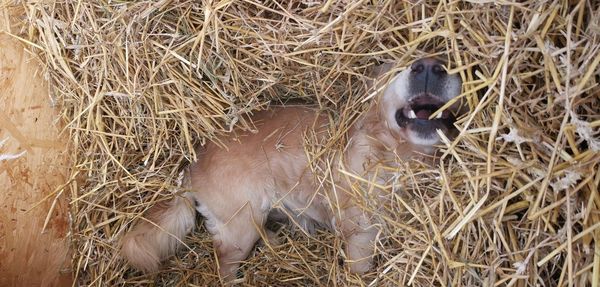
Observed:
{"x":236,"y":186}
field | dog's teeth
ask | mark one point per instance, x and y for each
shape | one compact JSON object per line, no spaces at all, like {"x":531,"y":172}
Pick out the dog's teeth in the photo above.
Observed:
{"x":412,"y":115}
{"x":439,"y":116}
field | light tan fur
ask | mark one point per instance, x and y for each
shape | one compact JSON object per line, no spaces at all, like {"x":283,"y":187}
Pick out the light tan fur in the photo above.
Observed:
{"x":158,"y":235}
{"x":235,"y":188}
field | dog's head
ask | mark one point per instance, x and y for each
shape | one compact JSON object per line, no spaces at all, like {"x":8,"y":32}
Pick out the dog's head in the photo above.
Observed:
{"x":412,"y":97}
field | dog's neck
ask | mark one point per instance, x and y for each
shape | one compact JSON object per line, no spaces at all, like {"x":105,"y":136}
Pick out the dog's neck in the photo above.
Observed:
{"x":372,"y":140}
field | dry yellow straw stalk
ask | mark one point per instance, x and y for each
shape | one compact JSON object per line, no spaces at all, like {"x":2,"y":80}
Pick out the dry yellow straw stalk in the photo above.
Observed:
{"x":512,"y":201}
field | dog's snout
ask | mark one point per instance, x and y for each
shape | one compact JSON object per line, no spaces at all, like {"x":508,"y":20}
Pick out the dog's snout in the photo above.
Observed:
{"x":427,"y":76}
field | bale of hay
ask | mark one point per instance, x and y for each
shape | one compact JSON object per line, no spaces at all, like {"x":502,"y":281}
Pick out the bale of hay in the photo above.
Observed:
{"x":512,"y":200}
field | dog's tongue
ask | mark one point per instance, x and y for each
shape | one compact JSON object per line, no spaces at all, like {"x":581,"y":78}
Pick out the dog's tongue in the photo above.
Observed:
{"x":423,"y":114}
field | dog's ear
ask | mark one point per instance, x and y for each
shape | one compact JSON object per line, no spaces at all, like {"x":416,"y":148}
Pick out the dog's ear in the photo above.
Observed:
{"x":376,"y":76}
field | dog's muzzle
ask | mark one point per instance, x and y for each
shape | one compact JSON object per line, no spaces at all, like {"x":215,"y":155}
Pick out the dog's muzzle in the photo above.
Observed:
{"x":428,"y":90}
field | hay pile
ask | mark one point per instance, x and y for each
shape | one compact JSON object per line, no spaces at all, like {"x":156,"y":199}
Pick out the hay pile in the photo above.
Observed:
{"x":513,"y":200}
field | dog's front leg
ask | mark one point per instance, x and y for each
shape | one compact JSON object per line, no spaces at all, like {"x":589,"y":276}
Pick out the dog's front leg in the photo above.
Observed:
{"x":359,"y":235}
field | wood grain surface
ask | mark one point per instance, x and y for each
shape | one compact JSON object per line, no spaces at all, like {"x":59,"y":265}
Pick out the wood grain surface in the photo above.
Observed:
{"x":33,"y":167}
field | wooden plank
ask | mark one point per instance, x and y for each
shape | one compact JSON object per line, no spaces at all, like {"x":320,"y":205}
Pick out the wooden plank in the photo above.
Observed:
{"x":28,"y":256}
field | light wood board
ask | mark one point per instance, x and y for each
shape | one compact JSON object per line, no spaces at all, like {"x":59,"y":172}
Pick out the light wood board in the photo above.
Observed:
{"x":30,"y":256}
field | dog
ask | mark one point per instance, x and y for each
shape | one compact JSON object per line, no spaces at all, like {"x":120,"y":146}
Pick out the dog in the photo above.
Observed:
{"x":236,"y":185}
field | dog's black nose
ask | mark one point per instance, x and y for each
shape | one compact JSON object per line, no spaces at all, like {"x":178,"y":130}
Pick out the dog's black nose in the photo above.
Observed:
{"x":428,"y":66}
{"x":427,"y":76}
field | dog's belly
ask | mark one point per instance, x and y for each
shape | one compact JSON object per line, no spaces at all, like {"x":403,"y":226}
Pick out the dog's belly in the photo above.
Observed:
{"x":261,"y":170}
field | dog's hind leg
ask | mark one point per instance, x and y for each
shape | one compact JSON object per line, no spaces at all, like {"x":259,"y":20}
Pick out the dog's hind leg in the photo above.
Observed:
{"x":234,"y":234}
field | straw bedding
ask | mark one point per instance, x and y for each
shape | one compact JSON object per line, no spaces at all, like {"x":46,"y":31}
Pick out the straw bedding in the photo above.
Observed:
{"x":512,"y":201}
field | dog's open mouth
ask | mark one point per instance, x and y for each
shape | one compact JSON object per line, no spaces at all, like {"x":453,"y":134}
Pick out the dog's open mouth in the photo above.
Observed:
{"x":421,"y":108}
{"x":424,"y":112}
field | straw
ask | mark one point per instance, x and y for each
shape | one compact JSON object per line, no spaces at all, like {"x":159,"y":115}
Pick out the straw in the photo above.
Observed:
{"x":512,"y":200}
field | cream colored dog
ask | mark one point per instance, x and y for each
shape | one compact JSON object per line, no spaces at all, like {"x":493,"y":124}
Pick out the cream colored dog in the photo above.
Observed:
{"x":236,"y":187}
